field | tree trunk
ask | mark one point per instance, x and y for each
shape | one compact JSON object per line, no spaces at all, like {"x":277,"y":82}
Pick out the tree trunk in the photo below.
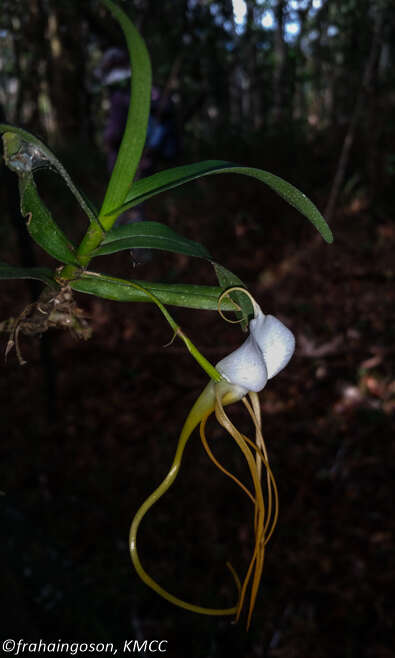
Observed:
{"x":280,"y":62}
{"x":370,"y":67}
{"x":67,"y":72}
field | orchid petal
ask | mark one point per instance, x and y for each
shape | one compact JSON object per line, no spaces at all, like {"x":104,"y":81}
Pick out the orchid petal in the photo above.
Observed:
{"x":263,"y":354}
{"x":275,"y":340}
{"x":245,"y":367}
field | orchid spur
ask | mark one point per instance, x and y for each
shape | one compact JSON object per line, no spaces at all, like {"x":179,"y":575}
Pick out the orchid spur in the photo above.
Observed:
{"x":238,"y":376}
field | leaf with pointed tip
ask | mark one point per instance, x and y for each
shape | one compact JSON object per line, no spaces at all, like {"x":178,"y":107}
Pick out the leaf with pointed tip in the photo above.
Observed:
{"x":43,"y":274}
{"x":149,"y":235}
{"x":178,"y":294}
{"x":133,"y":139}
{"x":30,"y":153}
{"x":165,"y":180}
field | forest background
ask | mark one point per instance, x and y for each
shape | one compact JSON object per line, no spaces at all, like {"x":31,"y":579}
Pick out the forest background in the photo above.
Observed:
{"x":302,"y":88}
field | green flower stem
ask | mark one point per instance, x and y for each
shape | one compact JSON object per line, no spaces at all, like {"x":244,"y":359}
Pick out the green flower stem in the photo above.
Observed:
{"x":202,"y":361}
{"x":193,"y":350}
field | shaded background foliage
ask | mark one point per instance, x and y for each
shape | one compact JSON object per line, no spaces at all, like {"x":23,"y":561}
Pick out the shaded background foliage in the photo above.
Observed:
{"x":290,"y":86}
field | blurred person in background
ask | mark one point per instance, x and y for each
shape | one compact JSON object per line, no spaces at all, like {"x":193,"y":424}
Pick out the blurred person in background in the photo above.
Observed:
{"x":162,"y":144}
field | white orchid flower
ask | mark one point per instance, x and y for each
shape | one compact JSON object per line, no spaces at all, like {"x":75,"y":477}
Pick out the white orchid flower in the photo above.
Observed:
{"x":245,"y":372}
{"x":265,"y":352}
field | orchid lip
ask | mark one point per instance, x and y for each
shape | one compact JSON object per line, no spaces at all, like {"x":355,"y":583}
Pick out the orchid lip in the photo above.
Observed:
{"x":264,"y":353}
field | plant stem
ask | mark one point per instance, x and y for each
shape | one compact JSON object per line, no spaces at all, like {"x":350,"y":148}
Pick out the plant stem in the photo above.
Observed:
{"x":198,"y":356}
{"x":202,"y":361}
{"x":193,"y":350}
{"x":88,"y":244}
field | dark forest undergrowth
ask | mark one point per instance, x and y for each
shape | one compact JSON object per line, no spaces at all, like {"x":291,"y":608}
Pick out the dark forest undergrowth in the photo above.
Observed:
{"x":73,"y":484}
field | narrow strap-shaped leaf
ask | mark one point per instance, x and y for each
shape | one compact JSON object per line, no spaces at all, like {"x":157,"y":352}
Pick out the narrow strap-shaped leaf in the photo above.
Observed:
{"x":40,"y":224}
{"x":165,"y":180}
{"x":136,"y":125}
{"x":226,"y":279}
{"x":149,"y":235}
{"x":184,"y":295}
{"x":32,"y":153}
{"x":43,"y":274}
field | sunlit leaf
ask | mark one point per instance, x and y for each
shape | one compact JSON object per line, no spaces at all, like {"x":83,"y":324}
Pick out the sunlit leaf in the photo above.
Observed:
{"x":133,"y":139}
{"x":165,"y":180}
{"x":149,"y":235}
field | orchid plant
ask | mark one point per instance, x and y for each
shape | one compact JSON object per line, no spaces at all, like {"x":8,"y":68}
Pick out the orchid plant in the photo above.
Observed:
{"x":242,"y":373}
{"x":240,"y":376}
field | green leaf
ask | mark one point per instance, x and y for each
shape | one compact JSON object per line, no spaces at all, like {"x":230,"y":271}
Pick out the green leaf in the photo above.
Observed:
{"x":227,"y":279}
{"x":121,"y":290}
{"x":28,"y":153}
{"x":133,"y":139}
{"x":40,"y":224}
{"x":165,"y":180}
{"x":150,"y":235}
{"x":43,"y":274}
